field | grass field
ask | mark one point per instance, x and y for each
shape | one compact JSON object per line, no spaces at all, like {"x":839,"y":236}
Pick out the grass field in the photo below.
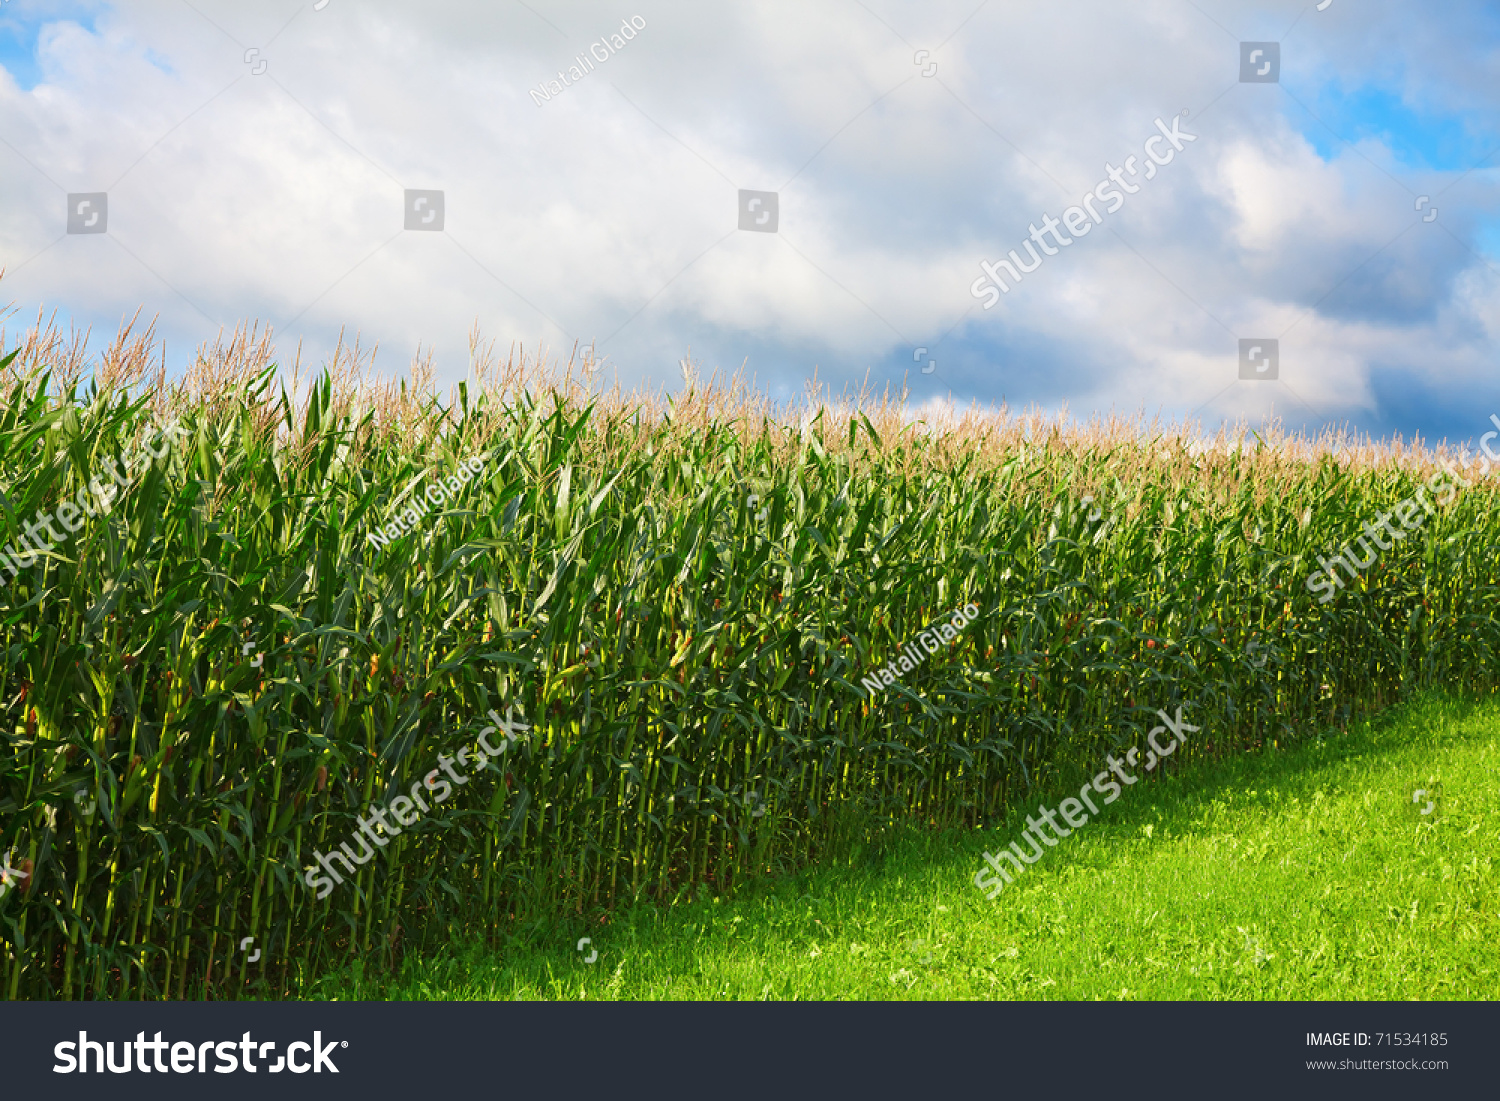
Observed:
{"x":1301,"y":874}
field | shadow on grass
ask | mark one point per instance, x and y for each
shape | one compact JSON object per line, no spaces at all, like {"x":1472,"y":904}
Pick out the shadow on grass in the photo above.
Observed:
{"x":1235,"y":853}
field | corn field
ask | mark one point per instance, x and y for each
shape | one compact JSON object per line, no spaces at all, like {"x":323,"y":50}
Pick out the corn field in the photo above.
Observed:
{"x":214,"y":677}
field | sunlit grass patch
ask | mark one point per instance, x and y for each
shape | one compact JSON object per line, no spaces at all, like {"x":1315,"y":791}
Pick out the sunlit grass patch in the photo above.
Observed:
{"x":1300,"y":874}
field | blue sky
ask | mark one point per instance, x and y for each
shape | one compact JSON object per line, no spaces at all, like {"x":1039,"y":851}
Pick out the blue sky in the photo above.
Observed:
{"x":22,"y":24}
{"x":18,"y":51}
{"x":256,"y":159}
{"x":1417,"y":136}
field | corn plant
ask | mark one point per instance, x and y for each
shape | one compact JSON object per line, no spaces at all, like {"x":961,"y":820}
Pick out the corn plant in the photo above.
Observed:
{"x":217,"y":675}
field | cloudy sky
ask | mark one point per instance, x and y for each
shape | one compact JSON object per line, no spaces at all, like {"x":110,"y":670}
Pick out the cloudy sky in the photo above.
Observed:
{"x":1341,"y":208}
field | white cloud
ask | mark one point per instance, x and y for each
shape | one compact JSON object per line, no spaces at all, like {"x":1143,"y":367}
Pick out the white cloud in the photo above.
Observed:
{"x":277,"y":195}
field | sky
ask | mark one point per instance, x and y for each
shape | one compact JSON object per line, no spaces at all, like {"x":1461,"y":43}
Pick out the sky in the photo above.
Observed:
{"x":1334,"y":215}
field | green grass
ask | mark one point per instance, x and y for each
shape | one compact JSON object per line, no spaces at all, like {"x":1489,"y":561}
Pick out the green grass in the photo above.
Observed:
{"x":1302,"y":874}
